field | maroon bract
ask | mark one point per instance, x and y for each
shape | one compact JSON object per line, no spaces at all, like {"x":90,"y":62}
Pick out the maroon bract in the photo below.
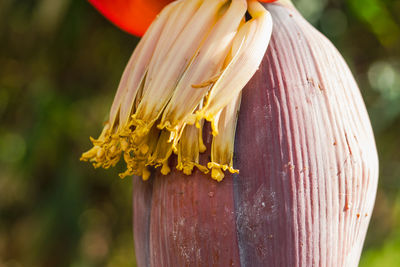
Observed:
{"x":307,"y":162}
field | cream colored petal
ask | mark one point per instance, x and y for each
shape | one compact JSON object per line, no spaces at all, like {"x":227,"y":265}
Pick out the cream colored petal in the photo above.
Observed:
{"x":248,"y":49}
{"x":138,"y":65}
{"x":207,"y":63}
{"x":159,"y":88}
{"x":177,"y":21}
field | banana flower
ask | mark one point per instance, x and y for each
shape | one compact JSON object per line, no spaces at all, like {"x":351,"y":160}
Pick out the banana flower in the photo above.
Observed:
{"x":253,"y":93}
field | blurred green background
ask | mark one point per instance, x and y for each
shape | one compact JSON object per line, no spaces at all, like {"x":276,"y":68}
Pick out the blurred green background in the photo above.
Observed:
{"x":60,"y":63}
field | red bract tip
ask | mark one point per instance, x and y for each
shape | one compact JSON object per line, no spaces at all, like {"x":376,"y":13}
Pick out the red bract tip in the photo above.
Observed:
{"x":133,"y":16}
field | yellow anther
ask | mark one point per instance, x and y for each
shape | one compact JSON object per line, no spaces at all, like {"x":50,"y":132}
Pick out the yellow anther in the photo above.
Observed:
{"x":165,"y":169}
{"x":188,"y":169}
{"x":217,"y":174}
{"x":146,"y":174}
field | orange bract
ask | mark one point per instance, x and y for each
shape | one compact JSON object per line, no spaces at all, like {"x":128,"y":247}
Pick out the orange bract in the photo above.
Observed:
{"x":133,"y":16}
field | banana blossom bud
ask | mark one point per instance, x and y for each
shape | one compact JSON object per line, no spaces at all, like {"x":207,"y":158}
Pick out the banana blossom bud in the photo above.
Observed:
{"x":190,"y":66}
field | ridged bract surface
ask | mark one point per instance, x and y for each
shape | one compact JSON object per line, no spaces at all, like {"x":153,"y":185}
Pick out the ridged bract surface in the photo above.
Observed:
{"x":308,"y":170}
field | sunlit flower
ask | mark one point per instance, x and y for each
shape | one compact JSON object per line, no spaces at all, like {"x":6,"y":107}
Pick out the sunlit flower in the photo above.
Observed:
{"x":304,"y":143}
{"x":190,"y":66}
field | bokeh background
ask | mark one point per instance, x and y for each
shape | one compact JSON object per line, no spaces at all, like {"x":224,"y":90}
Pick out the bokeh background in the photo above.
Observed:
{"x":60,"y":63}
